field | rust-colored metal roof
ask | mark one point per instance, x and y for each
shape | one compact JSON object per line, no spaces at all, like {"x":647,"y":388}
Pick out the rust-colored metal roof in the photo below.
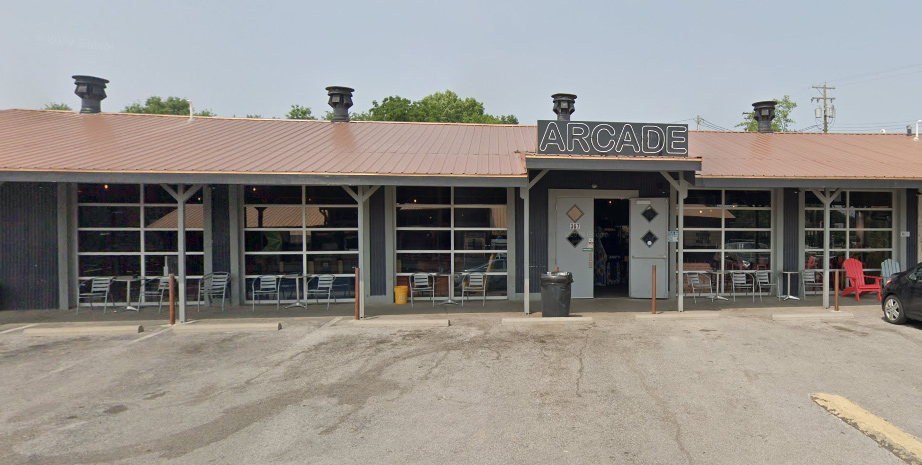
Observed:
{"x":35,"y":140}
{"x":806,"y":155}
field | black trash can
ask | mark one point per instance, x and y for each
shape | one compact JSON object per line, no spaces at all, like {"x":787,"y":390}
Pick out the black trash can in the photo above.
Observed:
{"x":555,"y":293}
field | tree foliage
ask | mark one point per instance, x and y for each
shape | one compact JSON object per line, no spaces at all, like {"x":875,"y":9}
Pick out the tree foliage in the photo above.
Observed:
{"x":57,"y":106}
{"x":782,"y":121}
{"x":299,"y":112}
{"x":171,"y":106}
{"x":440,"y":107}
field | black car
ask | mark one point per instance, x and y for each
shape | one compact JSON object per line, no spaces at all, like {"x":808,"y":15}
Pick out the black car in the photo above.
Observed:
{"x":902,"y":296}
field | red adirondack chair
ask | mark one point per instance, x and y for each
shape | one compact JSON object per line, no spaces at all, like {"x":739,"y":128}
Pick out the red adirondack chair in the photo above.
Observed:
{"x":858,"y":281}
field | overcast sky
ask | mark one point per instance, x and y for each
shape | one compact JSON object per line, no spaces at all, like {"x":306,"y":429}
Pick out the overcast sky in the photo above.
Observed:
{"x":662,"y":61}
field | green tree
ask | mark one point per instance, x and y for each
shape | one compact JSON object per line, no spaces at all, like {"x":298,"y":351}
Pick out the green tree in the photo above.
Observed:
{"x":57,"y":106}
{"x":158,"y":106}
{"x":440,"y":107}
{"x":782,"y":121}
{"x":299,"y":112}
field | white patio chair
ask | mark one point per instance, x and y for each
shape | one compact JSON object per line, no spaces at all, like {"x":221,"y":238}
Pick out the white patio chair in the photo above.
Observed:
{"x":162,"y":289}
{"x":266,"y":286}
{"x":889,"y":267}
{"x":422,"y":283}
{"x":739,"y":281}
{"x":764,"y":281}
{"x":324,"y":288}
{"x":99,"y":289}
{"x":212,"y":286}
{"x":475,"y":283}
{"x":693,"y":279}
{"x":808,"y":281}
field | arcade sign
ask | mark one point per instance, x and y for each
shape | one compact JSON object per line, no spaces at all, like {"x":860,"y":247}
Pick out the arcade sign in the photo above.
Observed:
{"x":612,"y":139}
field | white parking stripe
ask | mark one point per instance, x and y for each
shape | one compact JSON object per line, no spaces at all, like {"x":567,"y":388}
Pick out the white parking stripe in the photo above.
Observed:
{"x":17,"y":329}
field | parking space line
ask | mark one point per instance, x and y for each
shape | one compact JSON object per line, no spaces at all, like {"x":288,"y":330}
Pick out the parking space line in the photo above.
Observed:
{"x":18,"y":328}
{"x":902,"y":444}
{"x":155,"y":333}
{"x":331,"y":322}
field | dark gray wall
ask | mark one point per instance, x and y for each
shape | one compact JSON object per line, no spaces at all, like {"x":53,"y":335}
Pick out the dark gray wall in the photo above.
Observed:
{"x":912,"y":221}
{"x":790,"y":237}
{"x":220,"y":224}
{"x":648,"y":185}
{"x":28,"y":246}
{"x":377,"y":244}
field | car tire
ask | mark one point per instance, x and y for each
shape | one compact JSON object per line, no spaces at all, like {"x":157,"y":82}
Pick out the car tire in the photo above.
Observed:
{"x":894,"y":312}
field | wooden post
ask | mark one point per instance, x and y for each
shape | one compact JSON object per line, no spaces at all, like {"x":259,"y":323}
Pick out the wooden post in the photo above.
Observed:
{"x":357,"y":296}
{"x":172,"y":300}
{"x":654,"y":289}
{"x":837,"y":291}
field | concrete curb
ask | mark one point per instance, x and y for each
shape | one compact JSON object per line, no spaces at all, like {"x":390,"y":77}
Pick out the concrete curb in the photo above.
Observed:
{"x":831,"y":315}
{"x":556,"y":320}
{"x":84,"y":330}
{"x":401,"y":322}
{"x":225,"y":327}
{"x":695,"y":315}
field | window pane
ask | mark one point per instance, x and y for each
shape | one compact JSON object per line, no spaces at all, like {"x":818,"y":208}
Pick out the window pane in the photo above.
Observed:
{"x":423,"y":240}
{"x":332,"y":264}
{"x":837,"y":239}
{"x":870,"y":239}
{"x":703,"y":198}
{"x":811,"y":200}
{"x":160,"y":241}
{"x":424,"y":195}
{"x":735,"y":218}
{"x":195,"y":241}
{"x":108,"y":193}
{"x":813,"y":218}
{"x":110,"y":217}
{"x":480,"y":217}
{"x":480,"y":195}
{"x":871,"y":260}
{"x":332,"y":240}
{"x":480,"y":262}
{"x":109,"y":265}
{"x":326,"y":217}
{"x":496,"y":286}
{"x":702,"y":239}
{"x":813,"y":260}
{"x":273,"y":264}
{"x":109,"y":241}
{"x":813,"y":239}
{"x":273,"y":217}
{"x":871,"y":219}
{"x":166,"y":217}
{"x":699,"y":261}
{"x":272,"y":241}
{"x":749,"y":198}
{"x":702,"y":217}
{"x":195,"y":265}
{"x":837,"y":219}
{"x":870,"y":199}
{"x":329,"y":195}
{"x":737,"y":240}
{"x":480,"y":240}
{"x":413,"y":216}
{"x":285,"y":195}
{"x":423,"y":262}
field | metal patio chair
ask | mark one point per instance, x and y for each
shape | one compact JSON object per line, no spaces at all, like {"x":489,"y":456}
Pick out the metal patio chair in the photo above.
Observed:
{"x":764,"y":281}
{"x":739,"y":281}
{"x":476,"y":283}
{"x":889,"y":267}
{"x":422,"y":283}
{"x":808,"y":281}
{"x":695,"y":285}
{"x":162,"y":289}
{"x":99,"y":289}
{"x":266,"y":285}
{"x":324,"y":288}
{"x":212,"y":286}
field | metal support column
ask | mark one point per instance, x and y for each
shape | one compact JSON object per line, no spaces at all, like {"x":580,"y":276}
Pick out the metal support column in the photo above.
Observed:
{"x":361,"y":198}
{"x":181,"y":195}
{"x":826,"y":196}
{"x":681,"y":187}
{"x":526,"y":262}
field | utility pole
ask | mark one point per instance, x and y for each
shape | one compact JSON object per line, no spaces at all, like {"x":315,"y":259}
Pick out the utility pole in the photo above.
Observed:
{"x":698,"y":123}
{"x":827,"y":111}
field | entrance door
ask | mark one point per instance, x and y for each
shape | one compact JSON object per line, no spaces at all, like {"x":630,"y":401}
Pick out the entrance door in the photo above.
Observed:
{"x":575,"y":242}
{"x":648,"y":247}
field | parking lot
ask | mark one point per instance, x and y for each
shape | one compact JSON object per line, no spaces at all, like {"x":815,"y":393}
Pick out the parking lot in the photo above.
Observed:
{"x":733,"y":389}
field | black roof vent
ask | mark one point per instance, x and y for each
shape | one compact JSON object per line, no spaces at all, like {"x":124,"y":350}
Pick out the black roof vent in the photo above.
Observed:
{"x":91,"y":90}
{"x":764,"y":113}
{"x":340,"y":100}
{"x":563,"y":105}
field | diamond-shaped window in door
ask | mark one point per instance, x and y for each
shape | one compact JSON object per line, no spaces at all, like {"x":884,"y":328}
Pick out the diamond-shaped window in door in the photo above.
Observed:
{"x":650,"y":213}
{"x":574,"y":238}
{"x":649,"y":238}
{"x":574,"y":213}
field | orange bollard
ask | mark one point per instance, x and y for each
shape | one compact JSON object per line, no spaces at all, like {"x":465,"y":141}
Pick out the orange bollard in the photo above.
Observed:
{"x":654,"y":289}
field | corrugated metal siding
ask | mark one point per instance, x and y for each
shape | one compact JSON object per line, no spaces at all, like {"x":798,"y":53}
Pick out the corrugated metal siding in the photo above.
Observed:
{"x":519,"y":241}
{"x":912,"y":224}
{"x":377,"y":240}
{"x":28,"y":246}
{"x":220,"y":223}
{"x":790,"y":236}
{"x":647,"y":184}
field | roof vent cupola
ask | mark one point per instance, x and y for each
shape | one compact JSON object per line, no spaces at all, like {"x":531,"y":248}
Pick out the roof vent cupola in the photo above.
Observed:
{"x":764,"y":113}
{"x":340,"y":100}
{"x":563,"y":105}
{"x":92,"y":90}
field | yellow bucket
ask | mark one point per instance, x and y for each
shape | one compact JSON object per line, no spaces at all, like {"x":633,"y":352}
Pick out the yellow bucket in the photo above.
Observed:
{"x":400,"y":294}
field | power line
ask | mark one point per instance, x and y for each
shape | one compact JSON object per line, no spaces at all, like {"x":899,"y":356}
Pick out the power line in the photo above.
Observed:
{"x":828,"y":111}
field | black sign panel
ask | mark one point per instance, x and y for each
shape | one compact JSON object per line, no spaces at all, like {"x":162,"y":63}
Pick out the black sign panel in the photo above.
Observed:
{"x":613,"y":139}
